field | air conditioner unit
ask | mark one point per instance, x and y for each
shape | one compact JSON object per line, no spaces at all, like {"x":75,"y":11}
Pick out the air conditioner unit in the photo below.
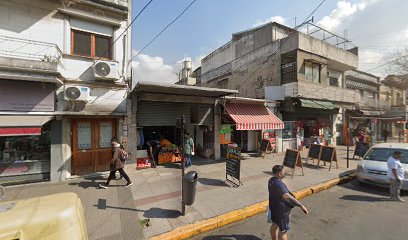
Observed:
{"x":77,"y":93}
{"x":105,"y":70}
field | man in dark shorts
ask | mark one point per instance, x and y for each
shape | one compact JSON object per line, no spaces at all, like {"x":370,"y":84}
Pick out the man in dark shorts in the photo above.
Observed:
{"x":281,"y":202}
{"x":153,"y":149}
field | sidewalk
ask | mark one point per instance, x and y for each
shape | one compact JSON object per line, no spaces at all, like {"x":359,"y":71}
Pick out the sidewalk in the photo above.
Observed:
{"x":109,"y":213}
{"x":114,"y":213}
{"x":157,"y":192}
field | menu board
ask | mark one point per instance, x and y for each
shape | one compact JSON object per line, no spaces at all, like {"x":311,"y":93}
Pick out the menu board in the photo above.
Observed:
{"x":233,"y":163}
{"x":314,"y":151}
{"x":361,"y":149}
{"x":291,"y":158}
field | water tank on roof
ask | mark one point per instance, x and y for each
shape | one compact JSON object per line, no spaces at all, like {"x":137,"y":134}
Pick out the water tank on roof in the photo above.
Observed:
{"x":187,"y":64}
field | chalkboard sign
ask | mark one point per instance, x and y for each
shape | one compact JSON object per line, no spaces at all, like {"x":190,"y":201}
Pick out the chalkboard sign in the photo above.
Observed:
{"x":314,"y":151}
{"x":233,"y":164}
{"x":266,"y":147}
{"x":328,"y":154}
{"x":361,"y":149}
{"x":292,"y":160}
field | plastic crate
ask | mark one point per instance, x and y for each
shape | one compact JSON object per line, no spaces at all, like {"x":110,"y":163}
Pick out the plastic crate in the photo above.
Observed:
{"x":142,"y":163}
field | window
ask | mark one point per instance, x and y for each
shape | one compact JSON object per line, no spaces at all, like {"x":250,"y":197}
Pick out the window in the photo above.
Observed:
{"x":382,"y":154}
{"x":334,"y":82}
{"x":223,"y":83}
{"x":90,"y":45}
{"x":26,"y":154}
{"x":312,"y":71}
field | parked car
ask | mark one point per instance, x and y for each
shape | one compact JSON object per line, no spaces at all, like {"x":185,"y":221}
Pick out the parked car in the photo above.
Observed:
{"x":372,"y":169}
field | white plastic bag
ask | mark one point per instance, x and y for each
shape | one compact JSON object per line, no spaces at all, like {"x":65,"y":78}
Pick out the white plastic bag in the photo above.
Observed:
{"x":268,"y":215}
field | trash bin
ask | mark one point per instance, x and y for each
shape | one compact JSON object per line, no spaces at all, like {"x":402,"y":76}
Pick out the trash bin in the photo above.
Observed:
{"x":189,"y":187}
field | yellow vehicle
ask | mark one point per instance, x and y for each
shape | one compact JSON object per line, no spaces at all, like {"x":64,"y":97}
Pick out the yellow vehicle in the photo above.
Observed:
{"x":58,"y":216}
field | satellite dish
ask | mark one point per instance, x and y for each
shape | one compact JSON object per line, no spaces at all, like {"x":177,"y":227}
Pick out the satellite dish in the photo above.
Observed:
{"x":72,"y":93}
{"x":102,"y":69}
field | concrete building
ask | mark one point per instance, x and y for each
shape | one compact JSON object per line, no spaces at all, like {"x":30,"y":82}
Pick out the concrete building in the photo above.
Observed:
{"x":393,"y":91}
{"x":369,"y":110}
{"x":63,"y":87}
{"x":304,"y":68}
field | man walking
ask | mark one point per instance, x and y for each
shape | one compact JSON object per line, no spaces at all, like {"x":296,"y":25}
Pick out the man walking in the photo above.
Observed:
{"x":281,"y":202}
{"x":188,"y":148}
{"x":396,"y":176}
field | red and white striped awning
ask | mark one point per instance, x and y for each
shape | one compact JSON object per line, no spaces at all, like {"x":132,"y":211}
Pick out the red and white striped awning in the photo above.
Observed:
{"x":253,"y":117}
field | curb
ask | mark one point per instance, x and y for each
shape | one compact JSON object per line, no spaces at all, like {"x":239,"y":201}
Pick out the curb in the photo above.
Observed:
{"x":206,"y":225}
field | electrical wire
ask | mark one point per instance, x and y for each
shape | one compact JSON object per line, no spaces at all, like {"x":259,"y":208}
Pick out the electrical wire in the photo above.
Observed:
{"x":164,"y":29}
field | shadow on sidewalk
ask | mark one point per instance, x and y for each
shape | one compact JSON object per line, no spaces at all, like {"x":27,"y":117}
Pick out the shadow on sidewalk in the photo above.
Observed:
{"x":232,"y":237}
{"x":161,"y":213}
{"x":212,"y":182}
{"x":101,"y":205}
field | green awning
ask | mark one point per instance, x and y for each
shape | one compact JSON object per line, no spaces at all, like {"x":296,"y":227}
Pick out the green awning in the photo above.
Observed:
{"x":317,"y":104}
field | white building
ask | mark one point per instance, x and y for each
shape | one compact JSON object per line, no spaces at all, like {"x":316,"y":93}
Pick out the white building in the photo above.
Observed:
{"x":64,"y":69}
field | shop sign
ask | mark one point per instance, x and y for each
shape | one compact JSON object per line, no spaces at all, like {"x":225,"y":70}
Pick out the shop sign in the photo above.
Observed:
{"x":25,"y":96}
{"x":225,"y":128}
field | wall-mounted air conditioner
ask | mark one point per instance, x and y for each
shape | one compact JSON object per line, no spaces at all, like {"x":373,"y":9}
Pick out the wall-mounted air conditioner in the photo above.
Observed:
{"x":106,"y":70}
{"x":77,"y":93}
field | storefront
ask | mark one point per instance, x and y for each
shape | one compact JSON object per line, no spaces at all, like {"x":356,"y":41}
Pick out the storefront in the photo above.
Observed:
{"x":26,"y":114}
{"x":158,"y":107}
{"x":309,"y":121}
{"x":246,"y":122}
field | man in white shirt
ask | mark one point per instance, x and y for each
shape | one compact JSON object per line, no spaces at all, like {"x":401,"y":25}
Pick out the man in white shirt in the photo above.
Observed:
{"x":396,"y":175}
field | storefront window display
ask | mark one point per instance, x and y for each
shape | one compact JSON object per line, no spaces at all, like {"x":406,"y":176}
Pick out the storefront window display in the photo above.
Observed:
{"x":25,"y":154}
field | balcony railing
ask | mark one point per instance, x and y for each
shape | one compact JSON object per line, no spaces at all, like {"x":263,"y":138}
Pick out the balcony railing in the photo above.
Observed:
{"x":372,"y":103}
{"x":29,"y":49}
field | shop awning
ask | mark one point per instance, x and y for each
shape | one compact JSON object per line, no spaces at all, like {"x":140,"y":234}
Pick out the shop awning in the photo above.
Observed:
{"x":17,"y":125}
{"x":253,"y":117}
{"x":317,"y":104}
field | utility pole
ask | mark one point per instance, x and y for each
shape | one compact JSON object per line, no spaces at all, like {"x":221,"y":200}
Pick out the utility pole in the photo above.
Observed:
{"x":347,"y":141}
{"x":183,"y":205}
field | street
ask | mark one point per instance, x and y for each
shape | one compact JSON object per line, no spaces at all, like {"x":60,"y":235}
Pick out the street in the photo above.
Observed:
{"x":349,"y":211}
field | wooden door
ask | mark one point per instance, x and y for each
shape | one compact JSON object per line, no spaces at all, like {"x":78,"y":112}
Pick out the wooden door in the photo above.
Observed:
{"x":105,"y":130}
{"x":91,"y":145}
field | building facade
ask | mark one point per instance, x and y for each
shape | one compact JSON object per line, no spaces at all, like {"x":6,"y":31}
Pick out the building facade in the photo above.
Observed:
{"x":393,"y":91}
{"x":64,"y":74}
{"x":304,"y":67}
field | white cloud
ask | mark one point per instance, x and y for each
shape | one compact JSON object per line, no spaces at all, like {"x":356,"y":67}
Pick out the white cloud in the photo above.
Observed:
{"x":343,"y":11}
{"x":377,"y":27}
{"x":278,"y":19}
{"x":153,"y":69}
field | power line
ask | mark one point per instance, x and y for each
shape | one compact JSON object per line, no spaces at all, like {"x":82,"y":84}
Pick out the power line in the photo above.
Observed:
{"x":164,"y":29}
{"x":280,"y":46}
{"x":111,"y":45}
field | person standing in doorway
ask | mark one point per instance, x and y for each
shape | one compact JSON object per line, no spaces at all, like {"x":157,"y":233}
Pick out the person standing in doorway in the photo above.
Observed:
{"x":116,"y":165}
{"x":281,"y":202}
{"x":396,"y":176}
{"x":188,"y":149}
{"x":385,"y":133}
{"x":153,"y":149}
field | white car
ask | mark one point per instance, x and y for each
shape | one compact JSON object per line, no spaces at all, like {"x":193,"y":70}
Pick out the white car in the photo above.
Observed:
{"x":373,"y":168}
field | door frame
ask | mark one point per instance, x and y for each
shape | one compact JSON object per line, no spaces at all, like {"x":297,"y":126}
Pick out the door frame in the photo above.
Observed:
{"x":94,"y":138}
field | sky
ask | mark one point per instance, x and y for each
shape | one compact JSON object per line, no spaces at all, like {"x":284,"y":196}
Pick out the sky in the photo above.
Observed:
{"x":377,"y":27}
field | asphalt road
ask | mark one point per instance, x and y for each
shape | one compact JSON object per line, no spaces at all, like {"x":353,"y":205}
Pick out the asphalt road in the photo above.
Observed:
{"x":349,"y":211}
